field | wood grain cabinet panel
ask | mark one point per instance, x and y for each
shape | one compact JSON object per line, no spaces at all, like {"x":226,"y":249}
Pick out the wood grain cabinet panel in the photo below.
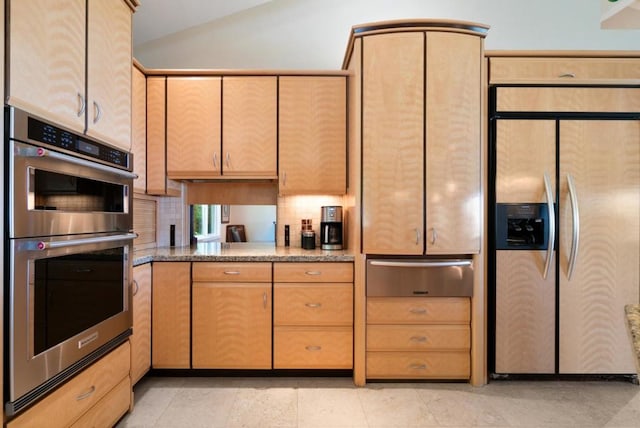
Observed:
{"x":141,"y":337}
{"x":109,"y":409}
{"x":249,"y":126}
{"x":69,"y":61}
{"x":80,"y":394}
{"x":312,"y":135}
{"x":421,"y":143}
{"x":171,"y":315}
{"x":313,"y":272}
{"x":109,"y":72}
{"x":307,"y":304}
{"x":418,"y":310}
{"x":231,"y":313}
{"x":193,"y":127}
{"x":313,"y":348}
{"x":418,"y":365}
{"x":139,"y":129}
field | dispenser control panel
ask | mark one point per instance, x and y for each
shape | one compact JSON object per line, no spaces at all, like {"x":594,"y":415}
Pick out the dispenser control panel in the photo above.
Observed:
{"x":522,"y":226}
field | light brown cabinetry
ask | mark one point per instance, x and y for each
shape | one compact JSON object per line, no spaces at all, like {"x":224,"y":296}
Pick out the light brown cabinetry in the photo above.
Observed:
{"x":100,"y":394}
{"x":139,"y":129}
{"x":171,"y":315}
{"x":312,"y":135}
{"x":231,"y":315}
{"x":46,"y":66}
{"x":141,"y":337}
{"x":193,"y":127}
{"x":249,"y":126}
{"x":418,"y":338}
{"x":157,"y":181}
{"x":313,"y":316}
{"x":416,"y":131}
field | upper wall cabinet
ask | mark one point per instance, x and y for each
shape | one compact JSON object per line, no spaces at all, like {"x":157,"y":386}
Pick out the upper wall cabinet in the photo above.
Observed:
{"x":421,"y":139}
{"x":222,"y":127}
{"x":49,"y":48}
{"x":139,"y":129}
{"x":313,"y":131}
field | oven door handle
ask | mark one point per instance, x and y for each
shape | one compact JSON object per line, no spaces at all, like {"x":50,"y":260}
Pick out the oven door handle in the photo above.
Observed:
{"x":43,"y":245}
{"x":41,"y":152}
{"x":449,"y":263}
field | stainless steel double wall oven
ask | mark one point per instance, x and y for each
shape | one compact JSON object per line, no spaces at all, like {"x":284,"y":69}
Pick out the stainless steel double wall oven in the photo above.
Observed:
{"x":69,"y":227}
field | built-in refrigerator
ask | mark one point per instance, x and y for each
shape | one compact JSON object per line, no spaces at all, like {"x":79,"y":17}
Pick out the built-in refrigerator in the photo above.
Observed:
{"x":564,"y":237}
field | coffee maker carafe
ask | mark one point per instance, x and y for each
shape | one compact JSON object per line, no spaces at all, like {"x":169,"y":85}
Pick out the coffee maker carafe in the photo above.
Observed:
{"x":331,"y":228}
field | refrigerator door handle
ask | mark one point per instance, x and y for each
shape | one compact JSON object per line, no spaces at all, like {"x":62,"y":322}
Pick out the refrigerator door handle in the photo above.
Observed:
{"x":552,"y":225}
{"x":573,"y":196}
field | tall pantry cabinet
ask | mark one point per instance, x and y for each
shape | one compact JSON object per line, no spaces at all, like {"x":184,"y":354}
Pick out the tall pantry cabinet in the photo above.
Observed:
{"x":421,"y":140}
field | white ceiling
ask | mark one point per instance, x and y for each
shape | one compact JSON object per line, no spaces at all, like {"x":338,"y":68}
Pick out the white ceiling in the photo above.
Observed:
{"x":158,"y":18}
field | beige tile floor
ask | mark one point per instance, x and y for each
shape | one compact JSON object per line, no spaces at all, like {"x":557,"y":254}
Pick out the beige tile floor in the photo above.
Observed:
{"x":335,"y":402}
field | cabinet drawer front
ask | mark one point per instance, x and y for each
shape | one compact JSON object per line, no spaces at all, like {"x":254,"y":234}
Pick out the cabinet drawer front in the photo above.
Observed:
{"x":418,"y":310}
{"x":417,"y":365}
{"x":609,"y":100}
{"x":109,"y":409}
{"x":304,"y":304}
{"x":231,"y":272}
{"x":74,"y":398}
{"x":313,"y":348}
{"x":418,"y":337}
{"x":564,"y":70}
{"x":313,"y":272}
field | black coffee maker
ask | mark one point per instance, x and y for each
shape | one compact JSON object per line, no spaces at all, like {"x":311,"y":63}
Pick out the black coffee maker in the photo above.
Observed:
{"x":331,"y":228}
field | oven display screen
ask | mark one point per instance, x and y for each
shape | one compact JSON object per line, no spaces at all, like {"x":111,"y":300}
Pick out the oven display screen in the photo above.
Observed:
{"x":91,"y":149}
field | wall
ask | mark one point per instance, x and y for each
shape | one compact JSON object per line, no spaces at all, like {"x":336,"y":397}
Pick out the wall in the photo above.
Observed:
{"x":292,"y":209}
{"x":258,"y":221}
{"x":312,"y":34}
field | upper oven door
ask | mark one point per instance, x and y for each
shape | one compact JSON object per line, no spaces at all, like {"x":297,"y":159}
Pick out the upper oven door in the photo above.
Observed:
{"x":51,"y":194}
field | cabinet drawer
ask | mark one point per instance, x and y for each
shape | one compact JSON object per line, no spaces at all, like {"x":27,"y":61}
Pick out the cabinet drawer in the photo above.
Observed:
{"x":305,"y":304}
{"x":418,"y":310}
{"x":109,"y":409}
{"x":313,"y":348}
{"x":563,"y":70}
{"x":540,"y":99}
{"x":417,"y":365}
{"x":418,"y":337}
{"x":74,"y":398}
{"x":313,"y":272}
{"x":231,"y":272}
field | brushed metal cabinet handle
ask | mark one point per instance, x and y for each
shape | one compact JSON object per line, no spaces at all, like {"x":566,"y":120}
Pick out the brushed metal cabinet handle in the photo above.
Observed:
{"x":313,"y":272}
{"x":231,"y":272}
{"x":136,"y":287}
{"x":418,"y":366}
{"x":565,"y":75}
{"x":434,"y":236}
{"x":215,"y":160}
{"x":313,"y":305}
{"x":86,"y":394}
{"x":228,"y":160}
{"x":264,"y":300}
{"x":97,"y":112}
{"x":420,"y":339}
{"x":418,"y":311}
{"x":313,"y":348}
{"x":83,"y":104}
{"x":418,"y":234}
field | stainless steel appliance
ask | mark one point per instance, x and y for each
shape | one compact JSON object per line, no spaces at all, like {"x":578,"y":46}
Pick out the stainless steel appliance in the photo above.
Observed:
{"x":68,"y":251}
{"x":331,"y":233}
{"x":409,"y":277}
{"x":565,"y":227}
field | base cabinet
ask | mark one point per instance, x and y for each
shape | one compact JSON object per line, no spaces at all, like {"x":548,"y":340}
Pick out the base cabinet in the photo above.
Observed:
{"x":313,"y":316}
{"x":97,"y":396}
{"x":141,"y":337}
{"x":418,"y":338}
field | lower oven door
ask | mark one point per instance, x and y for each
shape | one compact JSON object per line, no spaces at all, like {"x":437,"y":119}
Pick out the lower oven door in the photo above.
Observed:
{"x":69,"y":303}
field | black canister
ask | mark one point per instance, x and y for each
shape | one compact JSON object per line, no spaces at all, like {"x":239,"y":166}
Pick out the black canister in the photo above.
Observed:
{"x":308,"y":240}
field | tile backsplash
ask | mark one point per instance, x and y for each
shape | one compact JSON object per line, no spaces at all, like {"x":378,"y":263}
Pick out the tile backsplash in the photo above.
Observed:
{"x":172,"y":211}
{"x":291,"y":211}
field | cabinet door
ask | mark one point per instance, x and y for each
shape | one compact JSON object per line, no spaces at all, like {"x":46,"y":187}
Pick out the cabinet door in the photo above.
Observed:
{"x":249,"y":127}
{"x":46,"y":59}
{"x":170,"y":315}
{"x":139,"y":129}
{"x":156,"y":136}
{"x":393,"y":143}
{"x":313,"y":129}
{"x":453,"y":141}
{"x":193,"y":127}
{"x":232,"y":325}
{"x":141,"y":337}
{"x":109,"y":72}
{"x":602,"y":158}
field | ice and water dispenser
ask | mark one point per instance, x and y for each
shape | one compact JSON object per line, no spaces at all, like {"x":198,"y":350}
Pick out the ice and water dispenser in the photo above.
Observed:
{"x":521,"y":226}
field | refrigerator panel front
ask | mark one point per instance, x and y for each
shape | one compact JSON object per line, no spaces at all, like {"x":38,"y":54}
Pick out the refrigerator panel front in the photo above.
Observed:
{"x":602,"y":161}
{"x":525,"y":151}
{"x":525,"y":313}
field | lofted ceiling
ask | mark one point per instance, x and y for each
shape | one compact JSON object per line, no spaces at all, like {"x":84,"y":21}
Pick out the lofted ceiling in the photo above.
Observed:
{"x":158,"y":18}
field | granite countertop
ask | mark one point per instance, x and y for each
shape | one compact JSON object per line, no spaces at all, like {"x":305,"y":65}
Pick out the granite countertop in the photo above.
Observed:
{"x":239,"y":252}
{"x":633,"y":318}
